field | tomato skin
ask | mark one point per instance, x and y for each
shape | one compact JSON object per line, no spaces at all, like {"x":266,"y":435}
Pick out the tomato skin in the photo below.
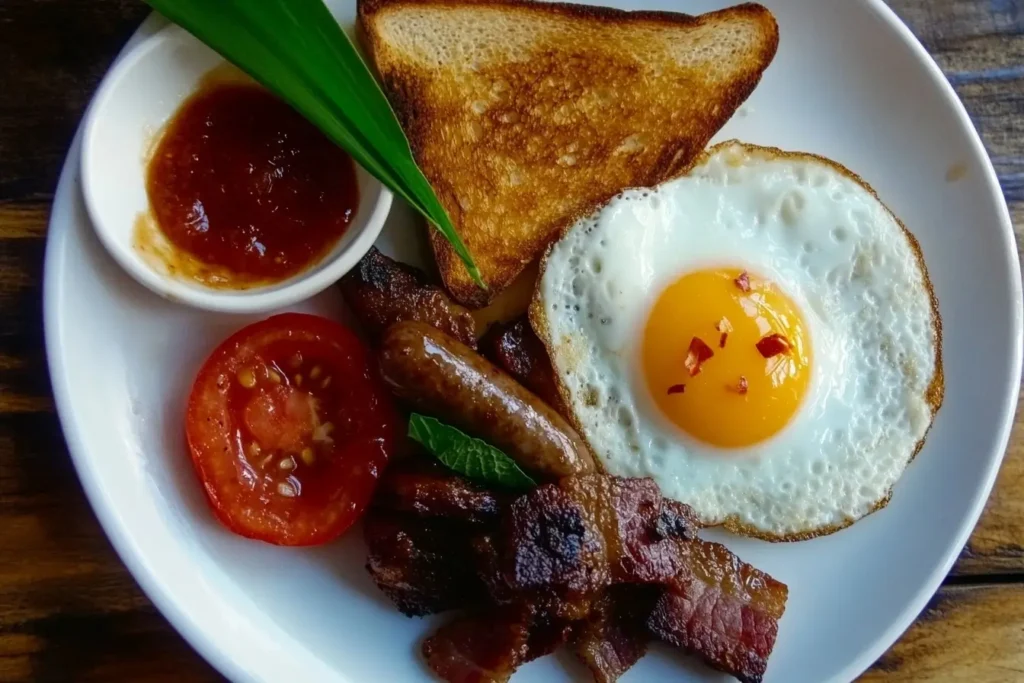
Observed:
{"x":289,"y":428}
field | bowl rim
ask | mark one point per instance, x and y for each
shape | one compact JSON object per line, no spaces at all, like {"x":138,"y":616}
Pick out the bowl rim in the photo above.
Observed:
{"x":317,"y":277}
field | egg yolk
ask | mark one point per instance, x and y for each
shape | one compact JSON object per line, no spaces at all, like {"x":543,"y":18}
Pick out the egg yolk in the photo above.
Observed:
{"x":747,"y":389}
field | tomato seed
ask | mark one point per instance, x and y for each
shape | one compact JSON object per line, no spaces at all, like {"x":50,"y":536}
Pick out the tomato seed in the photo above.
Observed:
{"x":287,"y":490}
{"x":315,"y":372}
{"x":288,"y":464}
{"x":298,"y":380}
{"x":274,"y":377}
{"x":296,"y":361}
{"x":307,"y":456}
{"x":247,"y":378}
{"x":322,"y":432}
{"x":327,"y":380}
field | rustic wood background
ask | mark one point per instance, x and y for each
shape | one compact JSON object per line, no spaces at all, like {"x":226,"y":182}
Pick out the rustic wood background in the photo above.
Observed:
{"x":69,"y":611}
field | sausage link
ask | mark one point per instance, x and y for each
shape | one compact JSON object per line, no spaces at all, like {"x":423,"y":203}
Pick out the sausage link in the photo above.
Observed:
{"x":442,"y":377}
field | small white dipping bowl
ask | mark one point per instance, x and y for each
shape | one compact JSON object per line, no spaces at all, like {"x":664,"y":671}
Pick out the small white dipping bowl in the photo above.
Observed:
{"x":138,"y":97}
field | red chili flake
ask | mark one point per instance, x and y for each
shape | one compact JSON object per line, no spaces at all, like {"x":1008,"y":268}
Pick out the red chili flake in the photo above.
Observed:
{"x":773,"y":345}
{"x":743,"y":281}
{"x":721,"y":340}
{"x":676,"y":389}
{"x":696,"y":355}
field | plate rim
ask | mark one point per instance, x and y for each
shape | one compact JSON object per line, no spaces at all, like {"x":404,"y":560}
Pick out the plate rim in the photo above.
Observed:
{"x":188,"y":625}
{"x":931,"y":585}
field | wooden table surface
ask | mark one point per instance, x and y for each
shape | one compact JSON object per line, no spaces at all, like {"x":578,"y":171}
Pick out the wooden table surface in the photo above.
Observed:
{"x":69,"y":610}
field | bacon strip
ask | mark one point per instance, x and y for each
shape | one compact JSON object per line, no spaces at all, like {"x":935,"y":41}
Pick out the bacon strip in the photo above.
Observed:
{"x":481,"y":648}
{"x":489,"y":647}
{"x":588,"y":532}
{"x":723,"y":610}
{"x":427,"y":491}
{"x":382,"y":291}
{"x":605,"y":559}
{"x":424,"y":566}
{"x":591,"y":532}
{"x":615,"y":636}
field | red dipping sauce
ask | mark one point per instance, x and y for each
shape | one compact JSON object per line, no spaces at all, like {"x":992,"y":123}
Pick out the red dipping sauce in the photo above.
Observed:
{"x":246,"y":189}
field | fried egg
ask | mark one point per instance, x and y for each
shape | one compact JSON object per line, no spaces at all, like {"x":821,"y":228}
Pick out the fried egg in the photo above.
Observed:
{"x":760,"y":336}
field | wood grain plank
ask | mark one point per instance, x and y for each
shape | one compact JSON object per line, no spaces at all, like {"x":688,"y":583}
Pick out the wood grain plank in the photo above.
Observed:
{"x":69,"y":611}
{"x":24,"y":380}
{"x":969,"y":634}
{"x":52,"y":55}
{"x":997,"y":544}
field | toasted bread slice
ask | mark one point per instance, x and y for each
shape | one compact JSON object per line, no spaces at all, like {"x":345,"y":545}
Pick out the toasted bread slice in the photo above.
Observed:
{"x":525,"y":115}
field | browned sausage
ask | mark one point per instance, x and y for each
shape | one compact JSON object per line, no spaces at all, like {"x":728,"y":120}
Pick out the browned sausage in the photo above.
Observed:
{"x":447,"y":379}
{"x":516,"y":349}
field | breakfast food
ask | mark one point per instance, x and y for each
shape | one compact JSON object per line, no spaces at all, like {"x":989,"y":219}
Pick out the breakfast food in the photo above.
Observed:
{"x":440,"y":376}
{"x":746,"y":338}
{"x":289,"y":428}
{"x":601,"y":564}
{"x":760,"y":336}
{"x":382,"y":291}
{"x":524,"y":115}
{"x":515,"y":348}
{"x":243,"y":190}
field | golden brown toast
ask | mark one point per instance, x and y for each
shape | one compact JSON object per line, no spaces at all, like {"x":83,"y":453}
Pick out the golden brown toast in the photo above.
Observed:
{"x":525,"y":115}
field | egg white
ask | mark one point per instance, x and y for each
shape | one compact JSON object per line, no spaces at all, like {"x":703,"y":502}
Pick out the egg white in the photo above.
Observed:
{"x":820,"y":234}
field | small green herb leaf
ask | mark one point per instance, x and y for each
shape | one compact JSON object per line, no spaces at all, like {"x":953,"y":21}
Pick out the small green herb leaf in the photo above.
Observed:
{"x":470,"y":457}
{"x":297,"y":50}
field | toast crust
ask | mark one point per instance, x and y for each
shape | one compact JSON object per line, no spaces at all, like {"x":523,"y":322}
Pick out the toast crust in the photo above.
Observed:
{"x":519,"y":145}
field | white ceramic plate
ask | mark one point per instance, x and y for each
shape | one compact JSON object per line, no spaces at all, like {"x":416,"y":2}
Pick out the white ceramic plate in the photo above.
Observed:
{"x":849,"y":82}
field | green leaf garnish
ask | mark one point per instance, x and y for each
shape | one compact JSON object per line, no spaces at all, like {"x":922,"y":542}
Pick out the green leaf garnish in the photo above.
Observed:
{"x":475,"y":459}
{"x":297,"y":50}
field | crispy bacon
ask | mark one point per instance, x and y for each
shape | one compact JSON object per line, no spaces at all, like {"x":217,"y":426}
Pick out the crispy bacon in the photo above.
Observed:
{"x":488,"y":647}
{"x":676,"y":389}
{"x":565,"y":607}
{"x":591,"y":531}
{"x":723,"y":610}
{"x":603,"y":562}
{"x":430,"y":491}
{"x":424,"y":566}
{"x":481,"y":648}
{"x":594,"y":531}
{"x":382,"y":291}
{"x":773,"y":345}
{"x":696,"y":355}
{"x":743,"y":281}
{"x":488,"y":569}
{"x":614,"y":637}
